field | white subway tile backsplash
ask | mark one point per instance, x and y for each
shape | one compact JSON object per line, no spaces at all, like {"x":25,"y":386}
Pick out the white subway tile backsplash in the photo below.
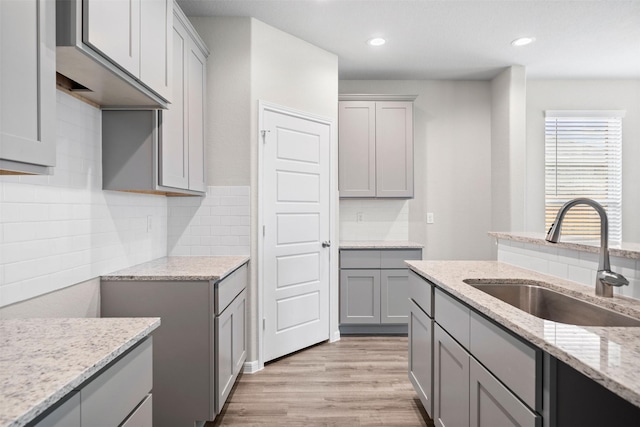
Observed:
{"x":570,"y":264}
{"x":213,"y":225}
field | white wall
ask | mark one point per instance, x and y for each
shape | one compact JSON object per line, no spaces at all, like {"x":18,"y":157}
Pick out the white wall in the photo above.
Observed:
{"x":228,"y":94}
{"x":252,"y":62}
{"x":385,"y":219}
{"x":508,"y":148}
{"x":452,"y":148}
{"x":584,"y":95}
{"x":62,"y":229}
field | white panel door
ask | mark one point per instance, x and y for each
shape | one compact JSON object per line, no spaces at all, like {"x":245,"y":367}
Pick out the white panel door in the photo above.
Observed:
{"x":295,"y":206}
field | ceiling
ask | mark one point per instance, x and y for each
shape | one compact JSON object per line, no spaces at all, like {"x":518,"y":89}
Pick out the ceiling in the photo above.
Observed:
{"x":454,"y":39}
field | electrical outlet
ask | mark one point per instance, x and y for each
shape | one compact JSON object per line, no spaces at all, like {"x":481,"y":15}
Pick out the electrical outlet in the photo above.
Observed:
{"x":360,"y":217}
{"x":429,"y":217}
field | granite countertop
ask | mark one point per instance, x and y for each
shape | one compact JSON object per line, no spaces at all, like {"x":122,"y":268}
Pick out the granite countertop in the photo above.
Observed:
{"x":42,"y":360}
{"x":380,"y":244}
{"x":181,"y":268}
{"x":609,"y":356}
{"x":623,"y":250}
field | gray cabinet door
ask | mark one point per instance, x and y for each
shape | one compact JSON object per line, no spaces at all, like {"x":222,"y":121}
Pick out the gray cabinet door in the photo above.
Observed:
{"x":195,"y":104}
{"x":28,"y":86}
{"x":394,"y":296}
{"x":394,"y":149}
{"x":156,"y":32}
{"x":174,"y":149}
{"x":421,"y":355}
{"x":112,"y":27}
{"x":360,"y":296}
{"x":492,"y":404}
{"x":357,"y":148}
{"x":230,"y":348}
{"x":451,"y":381}
{"x":65,"y":415}
{"x":182,"y":152}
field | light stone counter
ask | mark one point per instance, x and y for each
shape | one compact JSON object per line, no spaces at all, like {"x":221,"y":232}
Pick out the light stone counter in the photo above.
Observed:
{"x":181,"y":268}
{"x":609,"y":356}
{"x":42,"y":360}
{"x":623,"y":250}
{"x":380,"y":244}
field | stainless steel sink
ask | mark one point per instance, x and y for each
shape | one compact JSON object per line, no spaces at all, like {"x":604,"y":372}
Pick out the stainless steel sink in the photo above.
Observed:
{"x":551,"y":305}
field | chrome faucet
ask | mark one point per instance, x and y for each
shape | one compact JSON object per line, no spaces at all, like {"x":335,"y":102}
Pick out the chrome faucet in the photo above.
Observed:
{"x":605,"y":279}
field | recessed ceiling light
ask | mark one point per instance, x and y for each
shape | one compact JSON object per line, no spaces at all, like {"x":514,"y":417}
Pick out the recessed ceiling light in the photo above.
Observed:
{"x":523,"y":41}
{"x":376,"y":41}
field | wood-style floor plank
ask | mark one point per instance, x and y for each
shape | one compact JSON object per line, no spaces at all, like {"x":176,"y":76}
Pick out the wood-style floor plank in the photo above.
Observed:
{"x":357,"y":381}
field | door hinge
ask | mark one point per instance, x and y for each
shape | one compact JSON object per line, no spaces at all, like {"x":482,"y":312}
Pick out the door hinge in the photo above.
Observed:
{"x":264,"y":323}
{"x":264,"y":135}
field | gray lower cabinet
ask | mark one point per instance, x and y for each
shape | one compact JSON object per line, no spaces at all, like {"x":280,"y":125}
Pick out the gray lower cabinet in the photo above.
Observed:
{"x":201,"y":346}
{"x":374,"y":290}
{"x":421,"y":355}
{"x":28,"y":87}
{"x":118,"y":396}
{"x":467,"y":370}
{"x":451,"y":381}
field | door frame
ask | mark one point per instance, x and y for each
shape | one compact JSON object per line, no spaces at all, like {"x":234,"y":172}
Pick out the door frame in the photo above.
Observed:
{"x":334,"y":332}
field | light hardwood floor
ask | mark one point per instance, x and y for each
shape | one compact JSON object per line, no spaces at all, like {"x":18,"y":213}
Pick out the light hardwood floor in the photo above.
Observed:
{"x":357,"y":381}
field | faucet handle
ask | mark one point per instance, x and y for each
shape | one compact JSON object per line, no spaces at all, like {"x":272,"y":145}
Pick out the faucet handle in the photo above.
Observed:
{"x":611,"y":278}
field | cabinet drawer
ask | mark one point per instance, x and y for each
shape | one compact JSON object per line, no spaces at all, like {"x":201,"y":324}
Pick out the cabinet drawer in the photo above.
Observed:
{"x":394,"y":258}
{"x":65,"y":415}
{"x":453,"y":316}
{"x":359,"y":259}
{"x":421,"y":291}
{"x":142,"y":416}
{"x":229,"y":287}
{"x":108,"y":399}
{"x":514,"y":362}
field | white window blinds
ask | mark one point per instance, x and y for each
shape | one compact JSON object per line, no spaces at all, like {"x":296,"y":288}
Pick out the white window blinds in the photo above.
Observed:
{"x":583,"y":158}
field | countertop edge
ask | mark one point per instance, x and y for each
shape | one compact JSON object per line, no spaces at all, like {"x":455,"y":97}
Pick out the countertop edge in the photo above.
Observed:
{"x":378,"y":244}
{"x":610,"y":383}
{"x":626,"y":250}
{"x":128,"y":276}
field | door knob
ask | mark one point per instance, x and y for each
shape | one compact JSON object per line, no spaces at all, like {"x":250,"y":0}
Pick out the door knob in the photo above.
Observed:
{"x":326,"y":243}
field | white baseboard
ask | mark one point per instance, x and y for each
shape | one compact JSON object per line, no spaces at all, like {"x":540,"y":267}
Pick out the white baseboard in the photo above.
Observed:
{"x":251,"y":367}
{"x":335,"y":336}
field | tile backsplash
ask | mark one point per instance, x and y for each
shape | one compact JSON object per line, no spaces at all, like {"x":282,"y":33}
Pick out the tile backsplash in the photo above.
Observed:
{"x":217,"y":224}
{"x":570,"y":264}
{"x":62,"y":229}
{"x":377,"y":219}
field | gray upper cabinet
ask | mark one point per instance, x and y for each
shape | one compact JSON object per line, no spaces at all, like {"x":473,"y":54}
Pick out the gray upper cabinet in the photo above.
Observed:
{"x":182,"y":148}
{"x":118,"y":50}
{"x":27,"y":87}
{"x":162,"y":152}
{"x":375,"y":146}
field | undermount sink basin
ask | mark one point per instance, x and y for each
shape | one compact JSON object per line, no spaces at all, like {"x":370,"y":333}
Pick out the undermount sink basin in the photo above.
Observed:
{"x":551,"y":305}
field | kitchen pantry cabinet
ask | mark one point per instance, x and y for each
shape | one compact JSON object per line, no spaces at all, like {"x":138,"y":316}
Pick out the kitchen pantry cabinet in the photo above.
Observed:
{"x":374,"y":290}
{"x":118,"y":396}
{"x":120,"y":50}
{"x":375,"y":146}
{"x":200,"y":348}
{"x":27,"y":87}
{"x":162,"y":152}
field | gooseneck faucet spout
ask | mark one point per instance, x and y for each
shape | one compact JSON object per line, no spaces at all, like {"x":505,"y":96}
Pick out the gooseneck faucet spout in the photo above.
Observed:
{"x":605,"y":278}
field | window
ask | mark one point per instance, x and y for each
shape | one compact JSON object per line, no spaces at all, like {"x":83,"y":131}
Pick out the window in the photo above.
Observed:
{"x":583,"y":158}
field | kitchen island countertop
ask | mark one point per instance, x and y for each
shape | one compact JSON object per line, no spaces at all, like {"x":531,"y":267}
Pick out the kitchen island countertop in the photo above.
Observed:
{"x":42,"y":360}
{"x":608,"y":355}
{"x":181,"y":268}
